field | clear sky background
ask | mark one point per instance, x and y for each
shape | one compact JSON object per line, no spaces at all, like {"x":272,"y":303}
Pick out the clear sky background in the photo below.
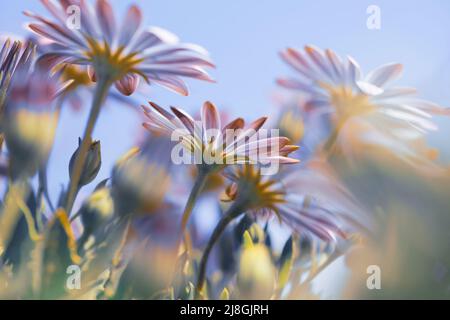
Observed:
{"x":244,"y":38}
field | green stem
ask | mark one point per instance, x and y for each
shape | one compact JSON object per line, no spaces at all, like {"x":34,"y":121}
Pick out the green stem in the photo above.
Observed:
{"x":233,"y":212}
{"x":101,"y":91}
{"x":328,"y":147}
{"x":195,"y":192}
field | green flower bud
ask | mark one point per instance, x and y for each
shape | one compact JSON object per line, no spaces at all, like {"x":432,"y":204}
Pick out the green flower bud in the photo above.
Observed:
{"x":91,"y":165}
{"x":97,"y":210}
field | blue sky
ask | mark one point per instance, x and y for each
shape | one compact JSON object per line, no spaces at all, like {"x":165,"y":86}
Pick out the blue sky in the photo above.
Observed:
{"x":244,"y":38}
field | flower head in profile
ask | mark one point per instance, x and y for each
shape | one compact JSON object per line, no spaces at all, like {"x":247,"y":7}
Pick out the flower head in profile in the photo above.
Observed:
{"x":30,"y":118}
{"x":12,"y":55}
{"x":124,"y":53}
{"x":327,"y":217}
{"x":208,"y":144}
{"x":337,"y":87}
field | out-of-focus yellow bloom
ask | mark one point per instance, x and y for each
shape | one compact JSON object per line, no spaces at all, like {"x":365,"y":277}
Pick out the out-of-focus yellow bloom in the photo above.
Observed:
{"x":139,"y":184}
{"x":29,"y":136}
{"x":291,"y":124}
{"x":256,"y":276}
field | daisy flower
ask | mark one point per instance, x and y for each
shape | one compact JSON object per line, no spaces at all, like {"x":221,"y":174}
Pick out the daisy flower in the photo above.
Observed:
{"x":124,"y":53}
{"x":114,"y":54}
{"x":266,"y":196}
{"x":314,"y":214}
{"x":212,"y":147}
{"x":337,"y":87}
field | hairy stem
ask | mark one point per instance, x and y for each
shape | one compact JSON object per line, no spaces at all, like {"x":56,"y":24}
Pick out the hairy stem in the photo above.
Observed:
{"x":101,"y":91}
{"x":233,"y":212}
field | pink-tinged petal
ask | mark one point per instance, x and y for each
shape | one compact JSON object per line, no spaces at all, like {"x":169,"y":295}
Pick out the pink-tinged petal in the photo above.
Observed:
{"x":233,"y":127}
{"x":286,"y":150}
{"x":130,"y":25}
{"x":211,"y":123}
{"x":159,"y":120}
{"x":336,"y":63}
{"x":51,"y":61}
{"x":369,"y":88}
{"x":49,"y":34}
{"x":264,"y":146}
{"x":57,"y":12}
{"x":354,"y":70}
{"x":302,"y":224}
{"x":297,"y":85}
{"x":384,"y":74}
{"x":88,"y":19}
{"x":156,"y":129}
{"x":427,"y":106}
{"x":105,"y":15}
{"x":399,"y":92}
{"x":185,"y":119}
{"x":258,"y":123}
{"x":210,"y":116}
{"x":152,"y":37}
{"x":187,"y":60}
{"x":162,"y":111}
{"x":55,"y":30}
{"x":128,"y":84}
{"x":318,"y":58}
{"x":236,"y":124}
{"x":165,"y":49}
{"x":284,"y":160}
{"x":296,"y":60}
{"x":244,"y":135}
{"x":174,"y":70}
{"x":170,"y":82}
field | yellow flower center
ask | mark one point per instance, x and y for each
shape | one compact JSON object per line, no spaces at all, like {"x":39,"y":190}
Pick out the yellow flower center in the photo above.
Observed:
{"x":112,"y":62}
{"x":347,"y":104}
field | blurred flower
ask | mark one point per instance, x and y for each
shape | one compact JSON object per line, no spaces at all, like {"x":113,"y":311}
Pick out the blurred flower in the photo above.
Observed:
{"x":139,"y":183}
{"x":391,"y":117}
{"x":210,"y":144}
{"x":97,"y":210}
{"x":12,"y":55}
{"x":124,"y":53}
{"x":91,"y":165}
{"x":256,"y":275}
{"x":290,"y":123}
{"x":30,"y":120}
{"x":295,"y":206}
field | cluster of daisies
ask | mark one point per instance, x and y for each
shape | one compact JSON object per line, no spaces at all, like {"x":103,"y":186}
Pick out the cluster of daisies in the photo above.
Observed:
{"x":114,"y":57}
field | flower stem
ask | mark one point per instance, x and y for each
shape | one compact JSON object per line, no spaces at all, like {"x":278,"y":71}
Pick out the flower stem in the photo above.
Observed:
{"x":101,"y":91}
{"x":329,"y":145}
{"x":233,"y":212}
{"x":195,"y":192}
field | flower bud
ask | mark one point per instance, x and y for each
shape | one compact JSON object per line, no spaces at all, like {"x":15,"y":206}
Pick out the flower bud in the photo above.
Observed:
{"x":256,"y":277}
{"x":92,"y":163}
{"x":97,"y":210}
